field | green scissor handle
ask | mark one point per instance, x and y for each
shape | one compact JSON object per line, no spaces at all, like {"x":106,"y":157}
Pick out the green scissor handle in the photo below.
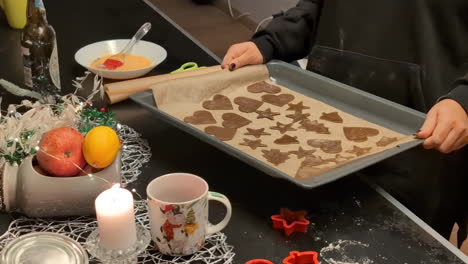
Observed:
{"x":188,"y":67}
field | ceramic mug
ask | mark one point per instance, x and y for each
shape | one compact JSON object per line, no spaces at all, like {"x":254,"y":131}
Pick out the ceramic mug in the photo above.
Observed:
{"x":178,"y":213}
{"x":15,"y":11}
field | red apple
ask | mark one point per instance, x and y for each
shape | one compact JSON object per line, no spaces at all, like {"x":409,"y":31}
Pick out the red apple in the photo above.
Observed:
{"x":60,"y":152}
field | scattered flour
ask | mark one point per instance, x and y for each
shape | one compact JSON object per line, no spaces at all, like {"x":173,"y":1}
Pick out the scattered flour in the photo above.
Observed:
{"x":336,"y":253}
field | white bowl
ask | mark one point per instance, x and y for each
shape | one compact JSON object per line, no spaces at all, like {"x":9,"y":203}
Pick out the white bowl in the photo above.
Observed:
{"x":86,"y":55}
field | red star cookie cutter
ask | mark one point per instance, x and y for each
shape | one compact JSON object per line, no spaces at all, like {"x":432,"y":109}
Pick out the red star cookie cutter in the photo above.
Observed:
{"x":290,"y":221}
{"x":306,"y":257}
{"x":259,"y":261}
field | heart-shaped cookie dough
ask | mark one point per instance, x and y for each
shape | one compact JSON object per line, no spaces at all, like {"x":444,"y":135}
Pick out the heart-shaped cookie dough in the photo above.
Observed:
{"x":219,"y":102}
{"x":263,"y":87}
{"x":359,"y":134}
{"x":247,"y":105}
{"x":201,"y":117}
{"x":235,"y":121}
{"x":221,"y":133}
{"x":278,"y":100}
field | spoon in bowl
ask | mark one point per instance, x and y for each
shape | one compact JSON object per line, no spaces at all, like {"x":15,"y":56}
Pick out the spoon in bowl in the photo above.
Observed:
{"x":117,"y":60}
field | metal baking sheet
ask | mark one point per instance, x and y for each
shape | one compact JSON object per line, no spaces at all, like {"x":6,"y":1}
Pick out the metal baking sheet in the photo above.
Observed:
{"x":343,"y":97}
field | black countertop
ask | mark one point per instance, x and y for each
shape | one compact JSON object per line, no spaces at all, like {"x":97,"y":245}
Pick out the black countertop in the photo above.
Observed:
{"x":348,"y":209}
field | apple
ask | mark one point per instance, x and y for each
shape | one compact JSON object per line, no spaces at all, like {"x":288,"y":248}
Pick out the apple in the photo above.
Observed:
{"x":60,"y":152}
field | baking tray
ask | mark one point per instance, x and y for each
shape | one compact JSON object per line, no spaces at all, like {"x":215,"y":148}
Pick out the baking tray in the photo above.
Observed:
{"x":343,"y":97}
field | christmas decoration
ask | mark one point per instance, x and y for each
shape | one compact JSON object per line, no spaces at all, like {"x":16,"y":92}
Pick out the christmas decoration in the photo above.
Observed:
{"x":290,"y":221}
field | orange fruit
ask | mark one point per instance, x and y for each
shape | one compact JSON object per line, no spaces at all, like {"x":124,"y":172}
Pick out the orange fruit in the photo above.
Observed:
{"x":101,"y":146}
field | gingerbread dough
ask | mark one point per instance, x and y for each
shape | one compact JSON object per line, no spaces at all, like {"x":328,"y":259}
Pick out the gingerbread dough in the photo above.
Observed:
{"x":278,"y":100}
{"x":308,"y":167}
{"x":247,"y":105}
{"x":221,"y":133}
{"x":201,"y":117}
{"x":219,"y":102}
{"x":298,"y":116}
{"x":266,"y":114}
{"x":301,"y":153}
{"x":264,"y":87}
{"x":235,"y":121}
{"x":359,"y":151}
{"x":283,"y":128}
{"x":314,"y":126}
{"x":385,"y":141}
{"x":326,"y":145}
{"x":286,"y":140}
{"x":359,"y":134}
{"x":275,"y":156}
{"x":332,"y":117}
{"x":253,"y":144}
{"x":299,"y":107}
{"x":256,"y":132}
{"x":340,"y":159}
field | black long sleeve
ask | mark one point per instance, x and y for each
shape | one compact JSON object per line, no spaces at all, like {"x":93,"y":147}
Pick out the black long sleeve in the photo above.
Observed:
{"x":459,"y":92}
{"x":290,"y":36}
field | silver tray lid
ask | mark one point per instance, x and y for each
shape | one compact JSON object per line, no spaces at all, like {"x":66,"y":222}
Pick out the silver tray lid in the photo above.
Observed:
{"x":44,"y":248}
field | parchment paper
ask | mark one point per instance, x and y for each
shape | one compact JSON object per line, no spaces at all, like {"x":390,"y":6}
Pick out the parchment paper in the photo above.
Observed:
{"x":119,"y":91}
{"x":182,"y":97}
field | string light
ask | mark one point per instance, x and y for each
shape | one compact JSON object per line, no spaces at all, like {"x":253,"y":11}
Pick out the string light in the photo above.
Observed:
{"x":216,"y":249}
{"x":137,"y":152}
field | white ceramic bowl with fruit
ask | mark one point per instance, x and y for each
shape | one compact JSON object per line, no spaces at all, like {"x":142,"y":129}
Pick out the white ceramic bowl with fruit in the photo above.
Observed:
{"x":67,"y":174}
{"x":90,"y":53}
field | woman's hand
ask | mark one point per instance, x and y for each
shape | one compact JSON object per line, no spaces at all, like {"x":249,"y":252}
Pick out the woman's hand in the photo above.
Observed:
{"x":446,"y":127}
{"x":239,"y":55}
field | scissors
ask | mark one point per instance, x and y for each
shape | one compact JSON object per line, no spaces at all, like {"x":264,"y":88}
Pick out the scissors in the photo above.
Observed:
{"x":188,"y":67}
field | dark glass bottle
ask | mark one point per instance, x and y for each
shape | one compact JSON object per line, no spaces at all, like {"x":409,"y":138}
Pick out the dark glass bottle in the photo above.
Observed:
{"x":39,"y":46}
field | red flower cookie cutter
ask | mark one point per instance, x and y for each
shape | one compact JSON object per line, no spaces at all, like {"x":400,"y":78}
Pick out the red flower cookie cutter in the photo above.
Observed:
{"x":290,"y":221}
{"x":306,"y":257}
{"x":259,"y":261}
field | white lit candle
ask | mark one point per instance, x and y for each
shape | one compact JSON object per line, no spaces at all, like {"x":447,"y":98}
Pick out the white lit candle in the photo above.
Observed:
{"x":116,"y":218}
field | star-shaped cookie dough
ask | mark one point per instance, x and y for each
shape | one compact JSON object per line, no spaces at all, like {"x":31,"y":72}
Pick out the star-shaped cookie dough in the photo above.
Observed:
{"x":256,"y":132}
{"x":283,"y":128}
{"x":266,"y":114}
{"x":301,"y":153}
{"x":253,"y":144}
{"x":297,"y":107}
{"x":314,"y":126}
{"x":298,"y":116}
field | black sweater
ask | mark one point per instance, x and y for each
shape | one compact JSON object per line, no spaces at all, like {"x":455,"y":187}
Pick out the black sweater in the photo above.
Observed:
{"x":423,"y":44}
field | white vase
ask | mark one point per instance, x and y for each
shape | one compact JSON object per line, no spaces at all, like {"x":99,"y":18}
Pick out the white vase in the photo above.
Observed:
{"x":24,"y":190}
